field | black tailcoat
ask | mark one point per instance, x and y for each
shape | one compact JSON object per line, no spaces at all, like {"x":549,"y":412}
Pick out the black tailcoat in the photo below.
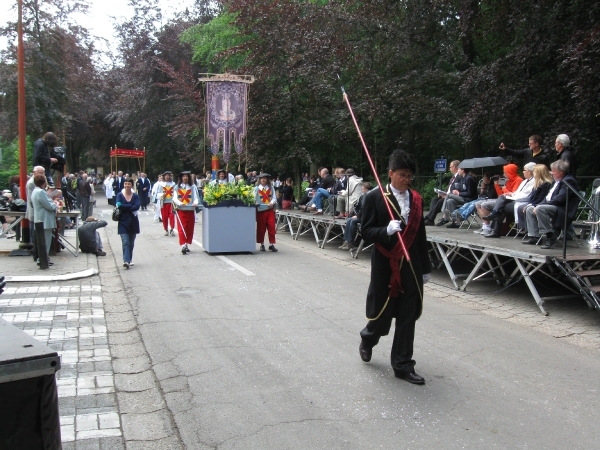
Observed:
{"x":375,"y":219}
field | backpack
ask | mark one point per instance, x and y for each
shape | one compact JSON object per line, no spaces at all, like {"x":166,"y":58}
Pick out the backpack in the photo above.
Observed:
{"x":74,"y":184}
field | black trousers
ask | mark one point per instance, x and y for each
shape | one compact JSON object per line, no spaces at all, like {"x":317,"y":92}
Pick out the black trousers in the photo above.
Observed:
{"x":405,"y":308}
{"x":501,"y":202}
{"x":507,"y":209}
{"x":434,"y":208}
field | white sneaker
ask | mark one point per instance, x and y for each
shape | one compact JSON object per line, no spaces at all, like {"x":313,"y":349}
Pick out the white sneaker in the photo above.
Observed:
{"x":479,"y":231}
{"x":487,"y":231}
{"x":131,"y":263}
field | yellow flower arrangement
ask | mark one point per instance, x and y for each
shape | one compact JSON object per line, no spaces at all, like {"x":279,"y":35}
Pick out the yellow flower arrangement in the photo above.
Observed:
{"x":216,"y":193}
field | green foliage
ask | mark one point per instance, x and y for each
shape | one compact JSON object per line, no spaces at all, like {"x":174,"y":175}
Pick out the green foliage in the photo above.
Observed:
{"x":426,"y":191}
{"x":210,"y":41}
{"x":219,"y":192}
{"x":10,"y":160}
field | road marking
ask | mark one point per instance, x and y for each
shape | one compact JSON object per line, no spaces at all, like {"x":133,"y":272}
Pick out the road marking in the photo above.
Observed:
{"x":228,"y":261}
{"x":225,"y":260}
{"x":235,"y":266}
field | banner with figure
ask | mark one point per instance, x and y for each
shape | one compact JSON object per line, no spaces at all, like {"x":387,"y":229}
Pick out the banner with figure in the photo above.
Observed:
{"x":226,"y":103}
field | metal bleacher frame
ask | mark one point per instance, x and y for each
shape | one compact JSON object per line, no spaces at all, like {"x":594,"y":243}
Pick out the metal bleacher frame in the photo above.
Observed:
{"x":324,"y":227}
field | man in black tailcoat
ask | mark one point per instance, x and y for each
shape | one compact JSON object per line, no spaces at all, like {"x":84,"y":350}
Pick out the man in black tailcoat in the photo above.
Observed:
{"x":143,"y":189}
{"x":118,"y":183}
{"x":396,"y":288}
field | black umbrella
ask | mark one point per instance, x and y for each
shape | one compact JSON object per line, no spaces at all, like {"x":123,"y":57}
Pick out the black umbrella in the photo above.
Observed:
{"x":488,"y":161}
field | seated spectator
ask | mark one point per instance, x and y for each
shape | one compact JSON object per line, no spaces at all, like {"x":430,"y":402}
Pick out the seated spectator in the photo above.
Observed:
{"x":437,"y":203}
{"x":287,"y":194}
{"x":309,"y":193}
{"x":327,"y":185}
{"x":89,"y":238}
{"x":5,"y":205}
{"x":353,"y":222}
{"x":505,"y":204}
{"x":463,"y":192}
{"x":348,"y":197}
{"x":548,"y":217}
{"x":542,"y":181}
{"x":486,"y":192}
{"x":341,"y":185}
{"x":513,"y":181}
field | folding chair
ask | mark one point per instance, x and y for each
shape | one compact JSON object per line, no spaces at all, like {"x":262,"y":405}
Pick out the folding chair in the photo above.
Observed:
{"x":583,"y":211}
{"x":473,"y":219}
{"x":329,"y":205}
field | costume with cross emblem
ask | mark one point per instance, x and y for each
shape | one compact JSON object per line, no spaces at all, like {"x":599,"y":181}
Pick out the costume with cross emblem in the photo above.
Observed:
{"x":166,"y":192}
{"x":265,"y":198}
{"x":185,"y":199}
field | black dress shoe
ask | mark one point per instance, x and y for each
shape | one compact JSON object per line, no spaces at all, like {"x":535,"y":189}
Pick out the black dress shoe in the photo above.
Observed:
{"x":365,"y":352}
{"x":441,"y":222}
{"x":429,"y":223}
{"x":550,"y":242}
{"x":453,"y":225}
{"x":411,"y":377}
{"x":491,"y":235}
{"x":531,"y":240}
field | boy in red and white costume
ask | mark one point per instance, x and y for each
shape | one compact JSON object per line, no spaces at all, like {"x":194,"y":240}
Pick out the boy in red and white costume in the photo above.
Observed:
{"x":185,"y":199}
{"x":265,"y":198}
{"x":166,"y":192}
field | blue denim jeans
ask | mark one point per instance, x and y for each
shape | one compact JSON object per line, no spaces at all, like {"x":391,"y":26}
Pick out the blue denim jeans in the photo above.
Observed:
{"x":318,"y":198}
{"x":467,"y":209}
{"x":350,"y":230}
{"x":128,"y":240}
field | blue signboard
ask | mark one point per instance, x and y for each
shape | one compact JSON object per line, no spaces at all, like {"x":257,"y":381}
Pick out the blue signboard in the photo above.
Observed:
{"x":440,"y":166}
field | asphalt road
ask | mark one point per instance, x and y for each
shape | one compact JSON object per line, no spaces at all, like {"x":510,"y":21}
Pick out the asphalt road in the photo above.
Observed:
{"x":265,"y":356}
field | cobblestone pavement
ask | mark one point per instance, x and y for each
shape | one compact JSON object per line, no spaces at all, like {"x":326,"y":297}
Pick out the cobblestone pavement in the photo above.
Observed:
{"x":108,"y":397}
{"x":70,"y":319}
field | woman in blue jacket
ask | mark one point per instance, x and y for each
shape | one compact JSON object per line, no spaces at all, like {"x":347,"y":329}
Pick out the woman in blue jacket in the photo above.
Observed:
{"x":129,"y":225}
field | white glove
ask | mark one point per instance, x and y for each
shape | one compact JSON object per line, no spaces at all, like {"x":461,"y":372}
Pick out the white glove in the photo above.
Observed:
{"x":426,"y":278}
{"x":394,"y":227}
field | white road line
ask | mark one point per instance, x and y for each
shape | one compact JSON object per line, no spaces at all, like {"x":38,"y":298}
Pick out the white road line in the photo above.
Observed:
{"x":226,"y":260}
{"x":235,"y":266}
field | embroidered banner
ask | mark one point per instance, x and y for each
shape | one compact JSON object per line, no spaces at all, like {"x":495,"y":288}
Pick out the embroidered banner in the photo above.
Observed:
{"x":226,"y":107}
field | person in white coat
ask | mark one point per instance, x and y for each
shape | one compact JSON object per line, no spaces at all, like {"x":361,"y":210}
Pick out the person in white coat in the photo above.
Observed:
{"x":108,"y":189}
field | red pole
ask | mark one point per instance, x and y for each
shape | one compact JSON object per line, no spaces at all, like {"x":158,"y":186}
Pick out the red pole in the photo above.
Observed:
{"x":21,"y":107}
{"x":374,"y":169}
{"x":25,"y":235}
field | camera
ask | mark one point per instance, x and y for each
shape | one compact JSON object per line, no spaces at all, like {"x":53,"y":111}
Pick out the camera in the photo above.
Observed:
{"x":495,"y":177}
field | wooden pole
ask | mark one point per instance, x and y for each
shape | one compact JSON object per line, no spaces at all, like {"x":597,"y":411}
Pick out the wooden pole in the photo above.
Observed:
{"x":21,"y":121}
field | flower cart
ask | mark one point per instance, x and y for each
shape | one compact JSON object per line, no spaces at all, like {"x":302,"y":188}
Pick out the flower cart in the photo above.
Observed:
{"x":229,"y":218}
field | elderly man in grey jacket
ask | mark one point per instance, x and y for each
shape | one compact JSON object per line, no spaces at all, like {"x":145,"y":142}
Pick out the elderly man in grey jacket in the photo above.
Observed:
{"x":346,"y":199}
